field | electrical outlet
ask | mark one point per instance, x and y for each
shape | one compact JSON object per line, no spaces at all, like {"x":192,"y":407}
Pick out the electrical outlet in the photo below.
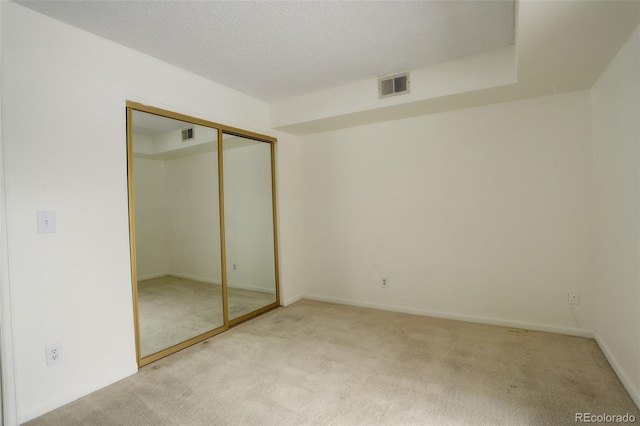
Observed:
{"x":54,"y":353}
{"x":574,"y":297}
{"x":385,"y":283}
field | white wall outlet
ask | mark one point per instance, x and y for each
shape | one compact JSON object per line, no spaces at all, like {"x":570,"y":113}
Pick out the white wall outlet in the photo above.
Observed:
{"x":574,"y":298}
{"x":385,"y":283}
{"x":54,"y":353}
{"x":46,"y":222}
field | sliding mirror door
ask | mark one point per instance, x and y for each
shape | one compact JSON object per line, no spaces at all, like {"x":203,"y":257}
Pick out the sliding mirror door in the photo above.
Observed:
{"x":202,"y":226}
{"x":251,"y":252}
{"x":173,"y":168}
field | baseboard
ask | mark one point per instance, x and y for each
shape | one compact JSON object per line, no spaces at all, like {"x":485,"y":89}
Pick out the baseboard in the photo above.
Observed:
{"x":195,"y":278}
{"x":152,"y":276}
{"x":458,"y":317}
{"x":250,"y":288}
{"x":210,"y":281}
{"x":624,"y":378}
{"x":70,"y":397}
{"x":292,"y":300}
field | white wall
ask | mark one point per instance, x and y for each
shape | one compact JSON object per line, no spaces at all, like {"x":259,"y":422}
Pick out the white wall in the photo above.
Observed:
{"x":248,"y":217}
{"x":9,"y":414}
{"x":60,"y":85}
{"x":177,"y":217}
{"x":290,"y":217}
{"x":483,"y":214}
{"x":194,"y":217}
{"x":616,"y":128}
{"x":152,"y":244}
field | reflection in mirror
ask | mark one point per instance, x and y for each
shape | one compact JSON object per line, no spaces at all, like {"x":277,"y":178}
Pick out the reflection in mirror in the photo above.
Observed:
{"x":249,"y":231}
{"x":177,"y":231}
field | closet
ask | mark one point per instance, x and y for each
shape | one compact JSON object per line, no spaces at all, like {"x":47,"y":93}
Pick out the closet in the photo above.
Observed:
{"x":202,"y":228}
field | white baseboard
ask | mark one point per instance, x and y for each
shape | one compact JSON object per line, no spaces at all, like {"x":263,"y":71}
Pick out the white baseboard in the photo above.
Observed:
{"x":291,"y":300}
{"x":624,"y":378}
{"x":152,"y":276}
{"x":459,"y":317}
{"x":210,"y":281}
{"x":250,"y":288}
{"x":195,"y":278}
{"x":70,"y":397}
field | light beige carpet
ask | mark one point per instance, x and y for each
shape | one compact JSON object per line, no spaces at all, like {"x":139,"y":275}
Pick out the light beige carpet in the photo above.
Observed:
{"x":315,"y":363}
{"x":172,"y":309}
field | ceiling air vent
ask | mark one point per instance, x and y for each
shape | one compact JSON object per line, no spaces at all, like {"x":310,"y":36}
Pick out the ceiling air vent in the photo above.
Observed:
{"x":397,"y":84}
{"x":187,"y":134}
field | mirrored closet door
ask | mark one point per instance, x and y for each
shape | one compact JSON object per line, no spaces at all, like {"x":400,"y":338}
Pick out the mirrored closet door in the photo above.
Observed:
{"x":193,"y":274}
{"x":249,"y":225}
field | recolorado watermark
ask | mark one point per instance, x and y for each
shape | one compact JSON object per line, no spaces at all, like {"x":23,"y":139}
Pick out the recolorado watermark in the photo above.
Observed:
{"x":604,"y":418}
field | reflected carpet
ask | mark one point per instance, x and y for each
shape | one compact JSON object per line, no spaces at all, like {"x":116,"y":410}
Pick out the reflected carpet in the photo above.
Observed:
{"x":172,"y":309}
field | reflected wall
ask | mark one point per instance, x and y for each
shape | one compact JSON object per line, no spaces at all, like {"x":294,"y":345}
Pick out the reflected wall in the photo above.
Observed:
{"x":249,"y":230}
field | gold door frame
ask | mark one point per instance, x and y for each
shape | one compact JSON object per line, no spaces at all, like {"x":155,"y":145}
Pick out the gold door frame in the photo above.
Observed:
{"x":222,"y":129}
{"x":271,"y":141}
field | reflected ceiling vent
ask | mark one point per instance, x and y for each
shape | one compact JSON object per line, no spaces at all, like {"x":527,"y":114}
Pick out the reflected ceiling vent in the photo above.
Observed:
{"x":397,"y":84}
{"x":187,"y":134}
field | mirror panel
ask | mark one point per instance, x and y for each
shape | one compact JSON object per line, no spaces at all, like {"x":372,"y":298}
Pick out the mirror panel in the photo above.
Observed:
{"x":249,"y":225}
{"x":177,"y":231}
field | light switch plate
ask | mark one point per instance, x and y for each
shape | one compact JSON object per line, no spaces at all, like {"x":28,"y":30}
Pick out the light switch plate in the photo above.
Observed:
{"x":46,"y":222}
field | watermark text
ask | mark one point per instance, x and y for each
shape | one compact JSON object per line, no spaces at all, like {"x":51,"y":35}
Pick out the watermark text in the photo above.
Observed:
{"x":604,"y":418}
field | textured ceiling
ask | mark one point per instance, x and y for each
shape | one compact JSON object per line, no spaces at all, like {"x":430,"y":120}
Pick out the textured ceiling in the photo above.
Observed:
{"x":277,"y":50}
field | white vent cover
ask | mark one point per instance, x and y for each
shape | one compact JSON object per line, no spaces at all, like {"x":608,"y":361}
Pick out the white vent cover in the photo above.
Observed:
{"x":187,"y":134}
{"x":397,"y":84}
